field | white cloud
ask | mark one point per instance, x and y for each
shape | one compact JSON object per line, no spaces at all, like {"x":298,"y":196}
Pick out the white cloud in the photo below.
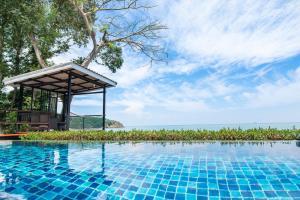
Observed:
{"x":177,"y":66}
{"x":74,"y":53}
{"x":218,"y":36}
{"x":215,"y":85}
{"x":217,"y":32}
{"x":86,"y":102}
{"x":177,"y":97}
{"x":158,"y":96}
{"x":280,"y":93}
{"x":194,"y":100}
{"x":131,"y":75}
{"x":134,"y":70}
{"x":228,"y":98}
{"x":247,"y":32}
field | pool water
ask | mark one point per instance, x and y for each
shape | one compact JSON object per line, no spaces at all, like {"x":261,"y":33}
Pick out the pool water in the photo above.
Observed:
{"x":202,"y":170}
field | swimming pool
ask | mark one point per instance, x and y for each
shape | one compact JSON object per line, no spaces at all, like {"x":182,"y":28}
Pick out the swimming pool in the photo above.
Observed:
{"x":202,"y":170}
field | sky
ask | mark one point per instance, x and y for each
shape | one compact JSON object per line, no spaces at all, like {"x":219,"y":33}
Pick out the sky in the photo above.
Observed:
{"x":228,"y":62}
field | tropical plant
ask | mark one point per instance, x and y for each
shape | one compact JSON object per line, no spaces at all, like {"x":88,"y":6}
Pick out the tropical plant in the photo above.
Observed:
{"x":169,"y":135}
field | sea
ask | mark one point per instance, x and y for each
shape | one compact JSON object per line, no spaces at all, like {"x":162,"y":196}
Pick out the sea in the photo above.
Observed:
{"x":284,"y":125}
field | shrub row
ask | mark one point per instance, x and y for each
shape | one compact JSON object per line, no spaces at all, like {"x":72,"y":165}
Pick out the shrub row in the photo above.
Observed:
{"x":168,"y":135}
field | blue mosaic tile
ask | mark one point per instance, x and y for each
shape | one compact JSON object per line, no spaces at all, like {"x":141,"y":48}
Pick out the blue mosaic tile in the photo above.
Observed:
{"x":150,"y":171}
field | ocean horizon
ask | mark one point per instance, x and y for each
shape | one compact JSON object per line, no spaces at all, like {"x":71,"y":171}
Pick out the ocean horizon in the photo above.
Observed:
{"x":280,"y":125}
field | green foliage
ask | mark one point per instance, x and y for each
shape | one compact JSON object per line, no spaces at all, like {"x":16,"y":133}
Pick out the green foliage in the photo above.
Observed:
{"x":10,"y":117}
{"x":4,"y":102}
{"x":78,"y":60}
{"x":111,"y":56}
{"x":55,"y":25}
{"x":104,"y":28}
{"x":3,"y":97}
{"x":11,"y":127}
{"x":169,"y":135}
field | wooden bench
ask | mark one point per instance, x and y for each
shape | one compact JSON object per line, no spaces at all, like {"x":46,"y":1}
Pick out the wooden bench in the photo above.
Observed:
{"x":36,"y":126}
{"x":36,"y":120}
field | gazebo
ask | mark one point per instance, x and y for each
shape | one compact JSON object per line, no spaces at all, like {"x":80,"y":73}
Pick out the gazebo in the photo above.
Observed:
{"x":59,"y":82}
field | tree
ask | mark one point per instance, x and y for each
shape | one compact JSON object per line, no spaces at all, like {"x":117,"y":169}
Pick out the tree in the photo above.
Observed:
{"x":54,"y":29}
{"x":113,"y":24}
{"x":32,"y":32}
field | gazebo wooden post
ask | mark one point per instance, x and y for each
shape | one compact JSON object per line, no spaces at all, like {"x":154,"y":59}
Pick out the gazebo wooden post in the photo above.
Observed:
{"x":49,"y":101}
{"x":68,"y":110}
{"x":20,"y":99}
{"x":103,"y":109}
{"x":64,"y":108}
{"x":63,"y":113}
{"x":20,"y":105}
{"x":56,"y":100}
{"x":32,"y":96}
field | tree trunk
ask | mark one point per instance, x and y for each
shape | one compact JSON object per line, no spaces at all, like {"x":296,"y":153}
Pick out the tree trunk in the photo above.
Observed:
{"x":89,"y":59}
{"x":37,"y":51}
{"x":17,"y":59}
{"x":91,"y":32}
{"x":92,"y":54}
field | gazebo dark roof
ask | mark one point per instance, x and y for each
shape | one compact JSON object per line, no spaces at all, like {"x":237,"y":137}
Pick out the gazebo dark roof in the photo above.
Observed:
{"x":55,"y":79}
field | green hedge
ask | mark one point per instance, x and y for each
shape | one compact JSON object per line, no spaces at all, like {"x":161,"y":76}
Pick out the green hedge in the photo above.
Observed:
{"x":168,"y":135}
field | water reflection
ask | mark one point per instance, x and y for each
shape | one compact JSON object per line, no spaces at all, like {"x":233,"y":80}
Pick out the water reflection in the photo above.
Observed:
{"x":50,"y":160}
{"x":75,"y":156}
{"x":91,"y":157}
{"x":5,"y":195}
{"x":5,"y":143}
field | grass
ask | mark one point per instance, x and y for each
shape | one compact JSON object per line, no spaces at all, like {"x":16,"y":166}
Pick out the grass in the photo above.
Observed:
{"x":168,"y":135}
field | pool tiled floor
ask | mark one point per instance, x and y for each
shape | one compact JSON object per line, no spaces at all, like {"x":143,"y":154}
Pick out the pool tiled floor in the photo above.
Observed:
{"x":150,"y":171}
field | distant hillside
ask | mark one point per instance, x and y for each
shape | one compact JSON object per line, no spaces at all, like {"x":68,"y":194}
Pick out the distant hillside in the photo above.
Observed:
{"x":91,"y":122}
{"x":113,"y":124}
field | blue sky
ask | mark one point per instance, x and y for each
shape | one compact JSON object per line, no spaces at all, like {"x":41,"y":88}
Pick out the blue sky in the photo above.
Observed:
{"x":229,"y":62}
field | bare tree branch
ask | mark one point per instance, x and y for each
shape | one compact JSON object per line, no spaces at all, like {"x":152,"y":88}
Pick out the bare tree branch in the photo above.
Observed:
{"x":128,"y":4}
{"x":135,"y":34}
